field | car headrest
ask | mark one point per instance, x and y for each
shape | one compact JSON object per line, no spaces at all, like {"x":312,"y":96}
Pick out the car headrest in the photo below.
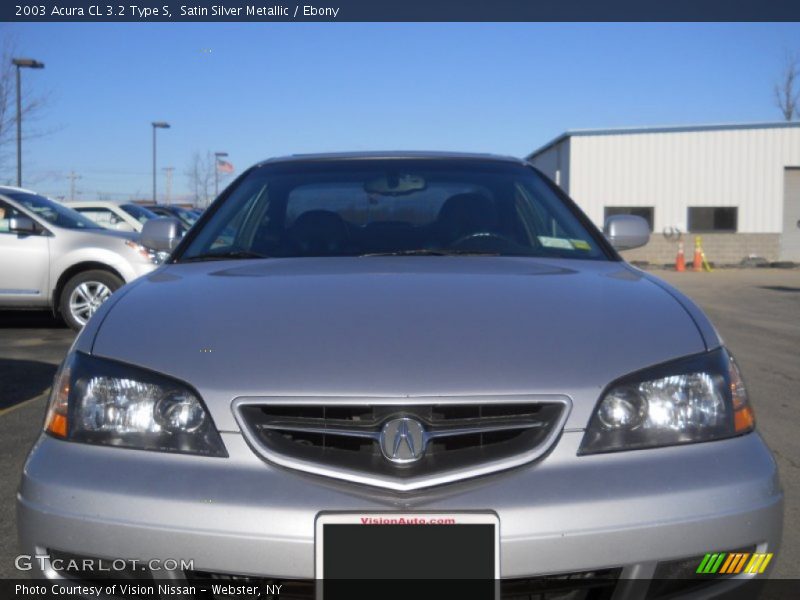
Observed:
{"x":318,"y":233}
{"x":465,"y":214}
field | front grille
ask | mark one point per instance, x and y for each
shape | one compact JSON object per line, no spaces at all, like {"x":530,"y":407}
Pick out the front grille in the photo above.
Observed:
{"x":402,"y":447}
{"x":584,"y":585}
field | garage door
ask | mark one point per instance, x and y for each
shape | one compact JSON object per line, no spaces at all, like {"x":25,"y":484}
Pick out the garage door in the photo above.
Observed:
{"x":790,"y":239}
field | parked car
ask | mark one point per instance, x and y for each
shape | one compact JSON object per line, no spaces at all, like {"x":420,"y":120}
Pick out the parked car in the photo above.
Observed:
{"x":185,"y":216}
{"x":346,"y":343}
{"x":54,"y":257}
{"x":111,"y":215}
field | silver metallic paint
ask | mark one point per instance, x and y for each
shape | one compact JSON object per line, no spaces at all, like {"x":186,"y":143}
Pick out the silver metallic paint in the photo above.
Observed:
{"x":398,"y":327}
{"x":243,"y":515}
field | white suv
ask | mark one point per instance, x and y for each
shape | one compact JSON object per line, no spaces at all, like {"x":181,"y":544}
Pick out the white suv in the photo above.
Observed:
{"x":110,"y":215}
{"x":52,"y":256}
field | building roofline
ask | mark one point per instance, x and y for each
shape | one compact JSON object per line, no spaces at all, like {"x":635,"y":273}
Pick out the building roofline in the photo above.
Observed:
{"x":660,"y":129}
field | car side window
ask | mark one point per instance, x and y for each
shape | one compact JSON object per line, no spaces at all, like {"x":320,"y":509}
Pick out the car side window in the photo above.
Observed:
{"x":544,"y":223}
{"x":240,"y":225}
{"x":6,"y":213}
{"x":101,"y":216}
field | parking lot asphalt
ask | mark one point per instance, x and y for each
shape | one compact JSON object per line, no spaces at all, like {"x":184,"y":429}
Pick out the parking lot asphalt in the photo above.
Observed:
{"x":757,"y":311}
{"x":32,"y":345}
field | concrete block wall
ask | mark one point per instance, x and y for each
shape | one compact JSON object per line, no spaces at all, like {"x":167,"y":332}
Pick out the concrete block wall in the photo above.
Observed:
{"x":719,"y":248}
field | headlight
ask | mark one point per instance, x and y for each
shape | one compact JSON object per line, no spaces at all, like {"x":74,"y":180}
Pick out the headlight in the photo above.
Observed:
{"x":148,"y":253}
{"x":100,"y":401}
{"x":695,"y":399}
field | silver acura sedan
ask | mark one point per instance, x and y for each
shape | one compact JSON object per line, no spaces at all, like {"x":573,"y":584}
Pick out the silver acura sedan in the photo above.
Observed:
{"x":401,"y":365}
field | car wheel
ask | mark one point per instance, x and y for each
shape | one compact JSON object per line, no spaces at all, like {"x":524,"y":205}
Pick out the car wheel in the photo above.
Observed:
{"x":84,"y":294}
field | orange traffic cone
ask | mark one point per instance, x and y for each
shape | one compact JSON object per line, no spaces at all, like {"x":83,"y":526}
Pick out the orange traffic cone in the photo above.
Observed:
{"x":680,"y":260}
{"x":697,"y":263}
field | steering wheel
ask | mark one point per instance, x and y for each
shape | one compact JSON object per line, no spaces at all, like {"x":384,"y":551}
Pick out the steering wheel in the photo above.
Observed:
{"x":482,"y":236}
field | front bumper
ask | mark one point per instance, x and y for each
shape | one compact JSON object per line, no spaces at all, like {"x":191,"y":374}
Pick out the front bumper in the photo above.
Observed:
{"x":565,"y":513}
{"x":136,"y":268}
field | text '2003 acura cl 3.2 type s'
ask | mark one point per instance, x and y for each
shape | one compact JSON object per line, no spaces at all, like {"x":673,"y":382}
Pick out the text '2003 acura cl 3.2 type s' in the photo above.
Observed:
{"x":345,"y":343}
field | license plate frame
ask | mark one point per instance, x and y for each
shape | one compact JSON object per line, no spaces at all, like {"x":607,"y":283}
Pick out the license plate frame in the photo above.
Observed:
{"x":442,"y":521}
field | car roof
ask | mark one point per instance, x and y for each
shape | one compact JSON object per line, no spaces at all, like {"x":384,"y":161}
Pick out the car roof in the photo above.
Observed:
{"x":392,"y":155}
{"x":11,"y":188}
{"x":91,"y":203}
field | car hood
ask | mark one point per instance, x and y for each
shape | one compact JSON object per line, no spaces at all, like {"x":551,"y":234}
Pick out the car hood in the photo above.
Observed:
{"x":127,"y":235}
{"x":101,"y":234}
{"x":397,"y":326}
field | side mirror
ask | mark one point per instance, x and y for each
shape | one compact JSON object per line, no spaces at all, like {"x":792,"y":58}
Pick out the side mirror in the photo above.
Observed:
{"x":22,"y":225}
{"x":161,"y":234}
{"x":626,"y":232}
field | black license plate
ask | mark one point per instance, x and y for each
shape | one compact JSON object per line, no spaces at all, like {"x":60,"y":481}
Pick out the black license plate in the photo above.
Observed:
{"x":357,"y":551}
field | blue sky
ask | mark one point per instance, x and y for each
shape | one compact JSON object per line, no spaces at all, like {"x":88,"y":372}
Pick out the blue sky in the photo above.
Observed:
{"x":259,"y":90}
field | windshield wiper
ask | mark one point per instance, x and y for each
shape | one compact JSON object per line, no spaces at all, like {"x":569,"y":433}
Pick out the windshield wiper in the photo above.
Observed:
{"x":432,"y":252}
{"x":229,"y":255}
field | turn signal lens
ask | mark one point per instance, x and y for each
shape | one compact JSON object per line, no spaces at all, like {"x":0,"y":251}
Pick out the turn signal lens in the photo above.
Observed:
{"x":744,"y":419}
{"x":56,"y":420}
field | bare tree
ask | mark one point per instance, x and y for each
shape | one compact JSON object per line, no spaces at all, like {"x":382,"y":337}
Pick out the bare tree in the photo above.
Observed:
{"x":32,"y":105}
{"x":787,"y":90}
{"x":200,"y":175}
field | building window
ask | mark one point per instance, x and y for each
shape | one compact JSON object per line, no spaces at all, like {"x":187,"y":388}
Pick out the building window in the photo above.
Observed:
{"x":646,"y":212}
{"x":713,"y":218}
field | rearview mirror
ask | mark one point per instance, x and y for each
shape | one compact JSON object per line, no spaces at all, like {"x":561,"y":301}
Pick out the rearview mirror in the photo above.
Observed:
{"x":22,"y":225}
{"x":626,"y":232}
{"x":161,"y":234}
{"x":395,"y":185}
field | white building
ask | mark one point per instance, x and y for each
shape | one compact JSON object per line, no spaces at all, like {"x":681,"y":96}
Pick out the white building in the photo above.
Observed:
{"x":736,"y":186}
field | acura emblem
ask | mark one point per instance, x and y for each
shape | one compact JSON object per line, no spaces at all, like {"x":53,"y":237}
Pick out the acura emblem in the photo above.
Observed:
{"x":403,"y":440}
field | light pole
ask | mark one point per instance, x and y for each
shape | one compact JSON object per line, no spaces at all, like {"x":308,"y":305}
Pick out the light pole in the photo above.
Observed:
{"x":22,"y":63}
{"x":217,"y":156}
{"x":168,"y":173}
{"x":156,"y":125}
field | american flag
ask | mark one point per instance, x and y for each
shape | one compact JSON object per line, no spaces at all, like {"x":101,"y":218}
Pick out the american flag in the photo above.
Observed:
{"x":223,"y":166}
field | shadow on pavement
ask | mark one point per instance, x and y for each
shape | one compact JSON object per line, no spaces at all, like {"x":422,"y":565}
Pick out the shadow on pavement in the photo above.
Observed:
{"x":30,"y":319}
{"x":780,"y":288}
{"x":22,"y":380}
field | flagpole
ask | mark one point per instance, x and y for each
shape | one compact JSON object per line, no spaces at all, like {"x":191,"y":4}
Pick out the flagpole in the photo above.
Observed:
{"x":217,"y":156}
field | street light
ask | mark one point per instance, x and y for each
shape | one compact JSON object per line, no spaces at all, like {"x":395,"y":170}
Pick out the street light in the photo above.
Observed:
{"x":217,"y":156}
{"x":156,"y":125}
{"x":22,"y":63}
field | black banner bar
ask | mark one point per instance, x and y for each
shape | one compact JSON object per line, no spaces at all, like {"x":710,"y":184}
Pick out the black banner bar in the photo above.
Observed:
{"x":418,"y":589}
{"x":399,"y":10}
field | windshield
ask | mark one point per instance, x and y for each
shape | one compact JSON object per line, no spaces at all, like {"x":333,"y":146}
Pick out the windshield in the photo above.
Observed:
{"x":139,"y":213}
{"x":398,"y":206}
{"x":185,"y":215}
{"x":53,"y":212}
